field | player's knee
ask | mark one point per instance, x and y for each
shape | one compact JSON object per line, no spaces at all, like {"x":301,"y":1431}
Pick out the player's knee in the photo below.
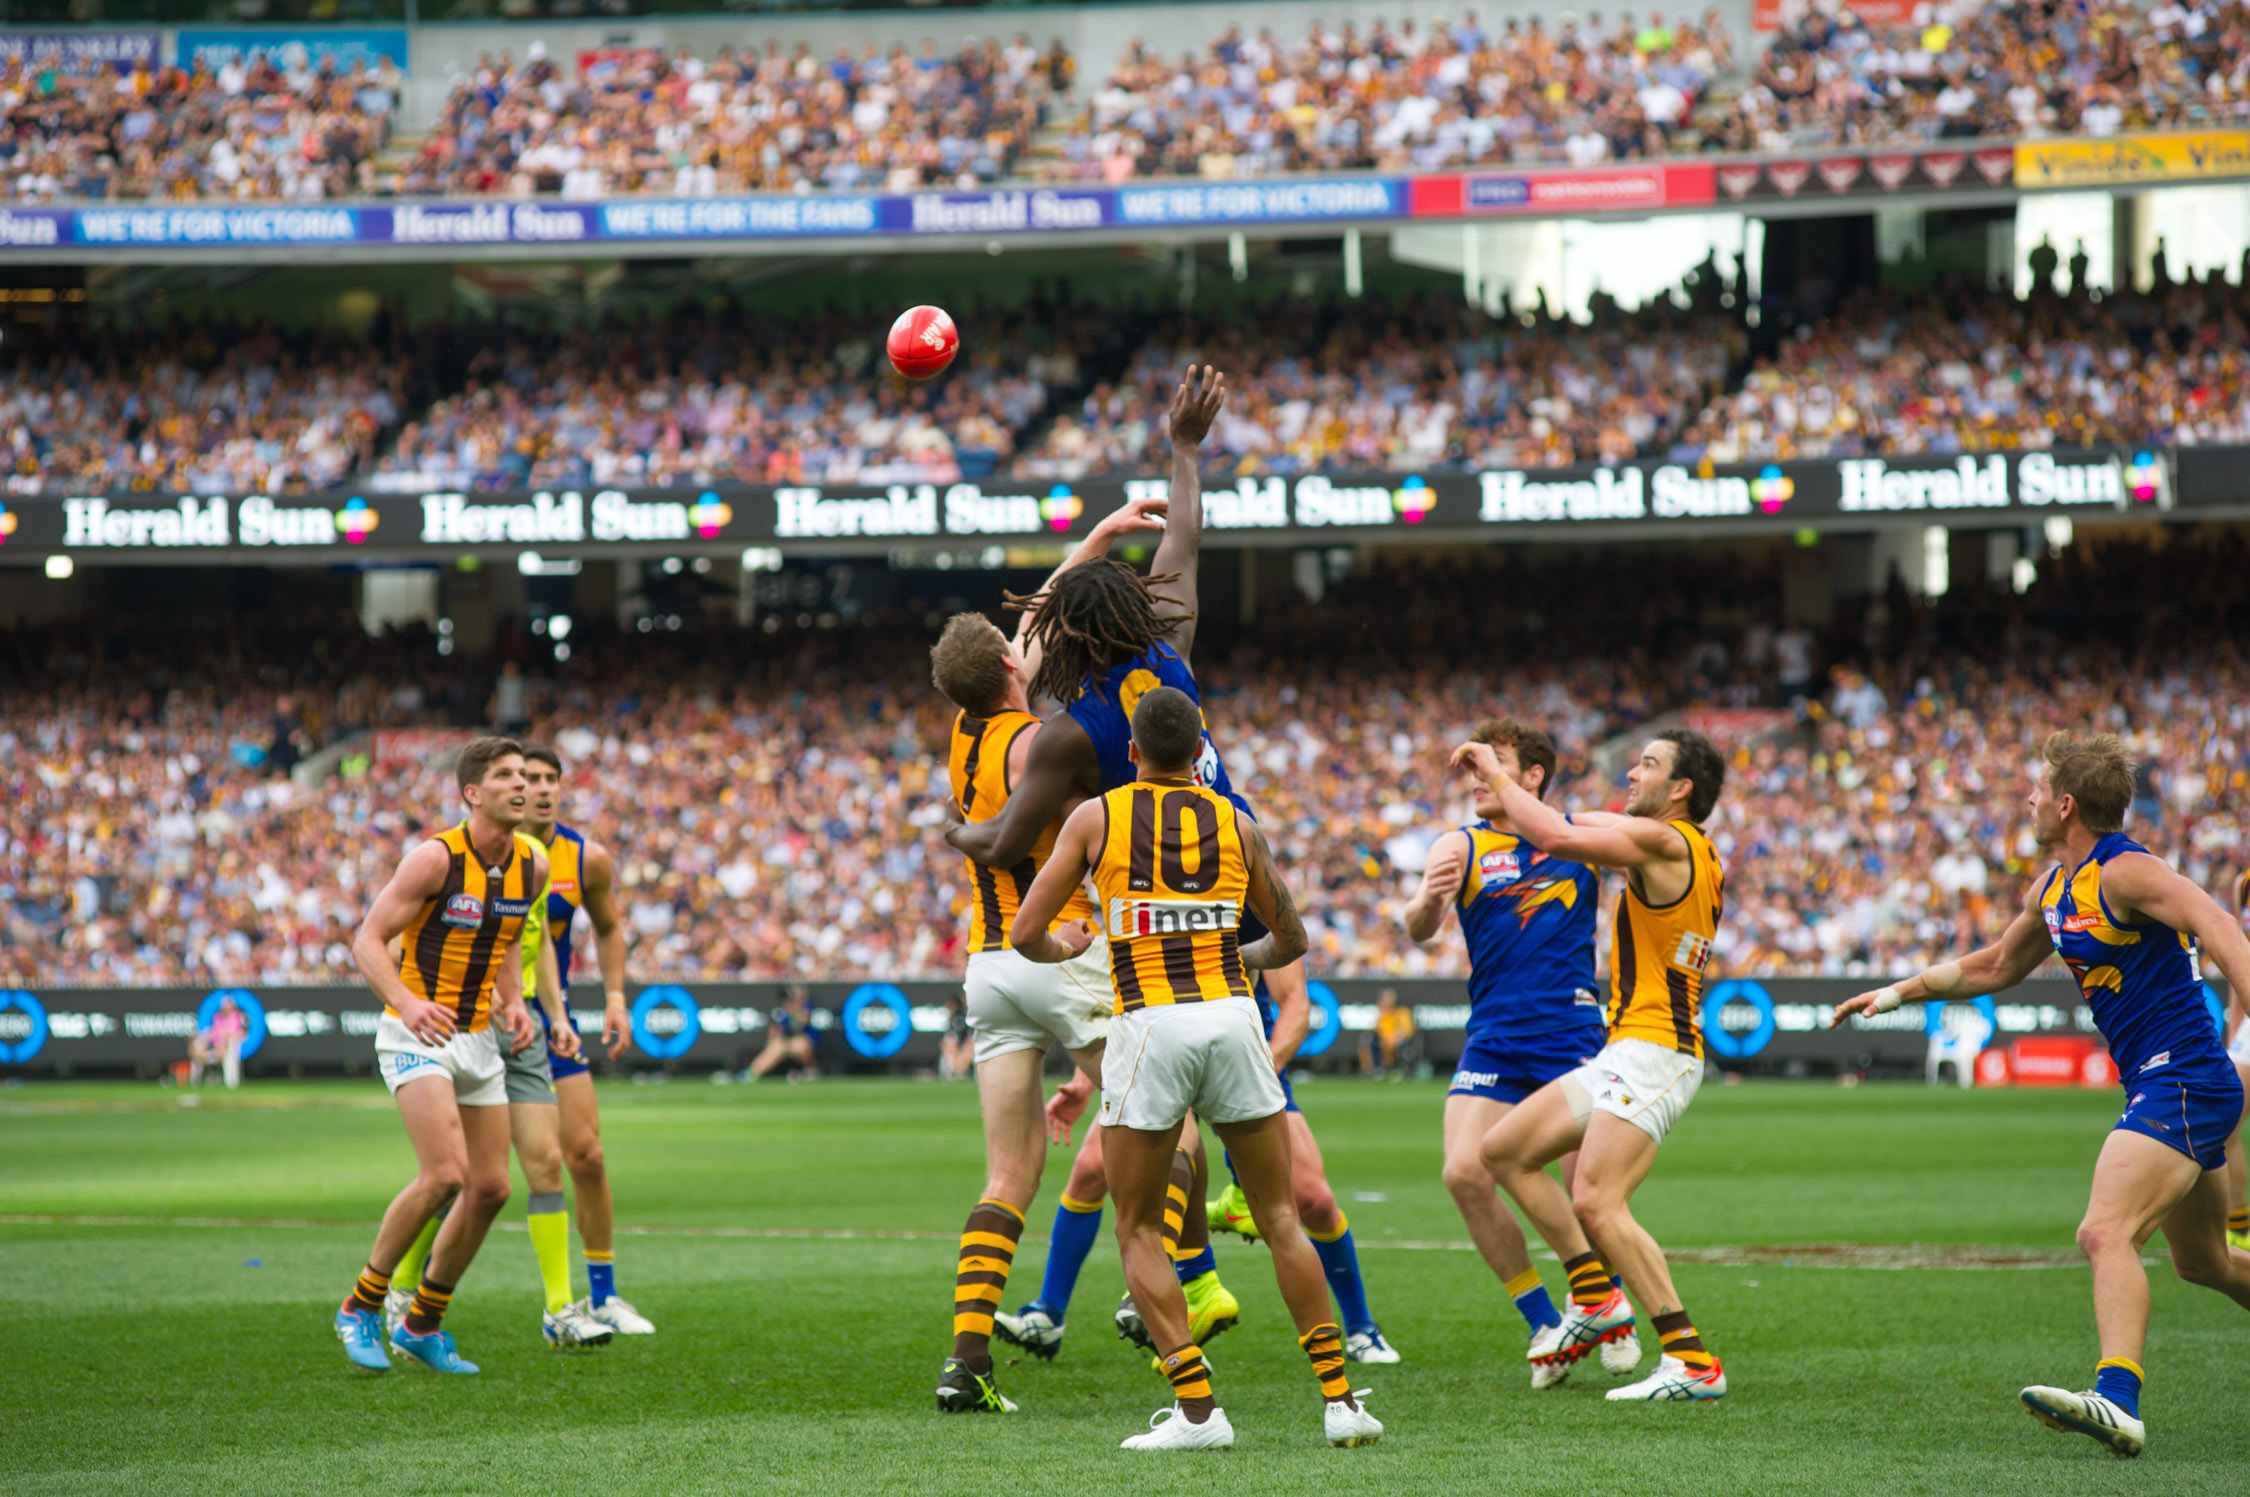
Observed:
{"x":486,"y":1194}
{"x":2199,"y":1267}
{"x":442,"y":1179}
{"x":1596,"y":1208}
{"x":585,"y":1158}
{"x":1466,"y":1175}
{"x":1316,"y":1208}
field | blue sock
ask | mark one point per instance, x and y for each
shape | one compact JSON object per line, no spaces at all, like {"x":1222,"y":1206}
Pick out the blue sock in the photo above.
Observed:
{"x":1197,"y":1266}
{"x":1530,"y":1296}
{"x":1077,"y":1224}
{"x":2119,"y":1381}
{"x":601,"y":1279}
{"x":1228,"y":1160}
{"x":1339,"y":1259}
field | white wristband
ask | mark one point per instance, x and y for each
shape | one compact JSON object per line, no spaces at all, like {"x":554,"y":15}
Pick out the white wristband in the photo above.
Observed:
{"x":1886,"y":999}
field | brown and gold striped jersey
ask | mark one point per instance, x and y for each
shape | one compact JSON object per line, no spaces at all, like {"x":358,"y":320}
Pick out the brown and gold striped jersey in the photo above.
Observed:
{"x":1171,"y":876}
{"x":453,"y":949}
{"x":1658,"y":954}
{"x":978,"y":762}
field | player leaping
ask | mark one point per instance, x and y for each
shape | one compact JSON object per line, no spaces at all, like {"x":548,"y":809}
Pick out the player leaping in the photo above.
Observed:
{"x":2127,"y":926}
{"x":1175,"y":866}
{"x":1616,"y":1110}
{"x":1104,"y":636}
{"x":459,"y":902}
{"x":1528,"y":919}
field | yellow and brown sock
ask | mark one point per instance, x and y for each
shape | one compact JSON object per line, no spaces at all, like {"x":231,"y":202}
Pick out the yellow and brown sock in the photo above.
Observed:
{"x":2238,"y":1220}
{"x":428,"y":1309}
{"x":1324,"y":1344}
{"x":1190,"y":1377}
{"x":988,"y":1251}
{"x":1680,"y":1340}
{"x":368,"y":1293}
{"x":1184,"y":1235}
{"x":1590,"y":1283}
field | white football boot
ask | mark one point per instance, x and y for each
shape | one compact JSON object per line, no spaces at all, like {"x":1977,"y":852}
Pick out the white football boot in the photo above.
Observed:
{"x":1369,"y":1346}
{"x":1620,"y":1350}
{"x":1031,"y":1328}
{"x":2087,"y":1414}
{"x":1672,"y":1382}
{"x":1348,"y":1425}
{"x":1169,"y":1429}
{"x":572,"y":1327}
{"x":620,"y":1316}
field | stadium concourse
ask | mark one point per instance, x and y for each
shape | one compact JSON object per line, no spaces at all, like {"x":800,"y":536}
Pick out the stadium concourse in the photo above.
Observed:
{"x":1065,"y":386}
{"x":1346,"y":97}
{"x":148,"y":836}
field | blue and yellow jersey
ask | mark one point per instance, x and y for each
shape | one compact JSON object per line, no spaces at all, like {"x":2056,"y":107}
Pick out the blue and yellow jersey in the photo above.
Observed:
{"x":1104,"y":708}
{"x":2139,"y":979}
{"x":1529,"y":922}
{"x":566,"y":873}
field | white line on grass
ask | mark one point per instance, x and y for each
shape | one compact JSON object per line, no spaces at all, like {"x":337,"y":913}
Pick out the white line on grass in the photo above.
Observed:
{"x":1866,"y":1255}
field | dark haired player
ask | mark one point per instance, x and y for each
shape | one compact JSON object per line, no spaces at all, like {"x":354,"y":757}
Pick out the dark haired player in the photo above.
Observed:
{"x":1615,"y":1110}
{"x":1104,"y":636}
{"x":1528,"y":919}
{"x":457,"y":904}
{"x":2127,"y":926}
{"x":1175,"y":865}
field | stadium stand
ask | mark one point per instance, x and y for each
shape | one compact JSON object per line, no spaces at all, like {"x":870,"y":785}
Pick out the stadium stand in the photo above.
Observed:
{"x":1390,"y":96}
{"x":750,"y":781}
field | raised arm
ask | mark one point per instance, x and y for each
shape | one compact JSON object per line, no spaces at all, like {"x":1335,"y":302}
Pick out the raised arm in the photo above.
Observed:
{"x":599,"y":871}
{"x":1987,"y":970}
{"x":1442,"y":877}
{"x":1075,"y":848}
{"x":419,"y":879}
{"x":2149,"y":888}
{"x":1059,"y":764}
{"x":1607,"y":842}
{"x":1133,"y":515}
{"x":1195,"y":405}
{"x":1284,"y":940}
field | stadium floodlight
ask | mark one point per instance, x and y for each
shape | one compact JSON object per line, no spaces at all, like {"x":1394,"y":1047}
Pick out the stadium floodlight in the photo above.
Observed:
{"x":558,"y":627}
{"x":60,"y":567}
{"x":2059,"y":532}
{"x":761,"y":559}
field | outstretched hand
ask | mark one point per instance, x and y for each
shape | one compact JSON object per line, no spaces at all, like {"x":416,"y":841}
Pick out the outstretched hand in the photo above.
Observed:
{"x":1143,"y":513}
{"x":1195,"y":405}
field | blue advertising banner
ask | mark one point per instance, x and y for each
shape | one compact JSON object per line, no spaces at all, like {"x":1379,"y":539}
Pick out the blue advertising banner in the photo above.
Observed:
{"x":346,"y":46}
{"x":77,"y":51}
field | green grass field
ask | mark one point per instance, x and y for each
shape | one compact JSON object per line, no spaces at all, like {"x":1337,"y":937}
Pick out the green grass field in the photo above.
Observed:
{"x":184,"y":1343}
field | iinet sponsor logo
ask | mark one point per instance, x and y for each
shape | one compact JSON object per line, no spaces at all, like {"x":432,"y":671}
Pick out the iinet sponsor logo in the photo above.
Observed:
{"x":1171,"y":917}
{"x":1513,"y":497}
{"x":1978,"y":483}
{"x":918,"y":509}
{"x":457,"y":520}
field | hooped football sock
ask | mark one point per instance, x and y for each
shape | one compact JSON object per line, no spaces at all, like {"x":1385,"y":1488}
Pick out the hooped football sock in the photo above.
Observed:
{"x":1324,"y":1344}
{"x":1680,"y":1340}
{"x":430,"y":1301}
{"x":2118,"y":1379}
{"x":2238,"y":1220}
{"x":1078,"y":1224}
{"x":1591,"y":1283}
{"x":1339,"y":1260}
{"x":549,"y":1224}
{"x":601,"y":1276}
{"x":988,"y":1251}
{"x":409,"y":1270}
{"x":1531,"y":1299}
{"x":1190,"y":1377}
{"x":368,"y":1293}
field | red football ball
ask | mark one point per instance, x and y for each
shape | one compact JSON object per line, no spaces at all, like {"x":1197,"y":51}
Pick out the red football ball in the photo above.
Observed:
{"x":923,"y":342}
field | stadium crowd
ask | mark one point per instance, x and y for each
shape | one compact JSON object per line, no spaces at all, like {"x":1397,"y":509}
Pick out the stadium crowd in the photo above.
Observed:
{"x":274,"y":130}
{"x":774,"y":798}
{"x":1391,"y":97}
{"x":635,"y":120}
{"x":1965,"y":370}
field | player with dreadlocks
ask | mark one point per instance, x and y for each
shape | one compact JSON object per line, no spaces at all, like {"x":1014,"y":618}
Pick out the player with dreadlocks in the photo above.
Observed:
{"x":1102,"y":636}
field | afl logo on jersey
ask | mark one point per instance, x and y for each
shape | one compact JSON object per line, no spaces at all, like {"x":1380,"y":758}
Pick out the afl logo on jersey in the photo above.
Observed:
{"x":2054,"y":924}
{"x":1500,"y":865}
{"x":465,"y":911}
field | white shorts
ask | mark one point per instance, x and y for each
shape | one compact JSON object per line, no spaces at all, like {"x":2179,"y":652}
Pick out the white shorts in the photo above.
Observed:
{"x":472,"y":1062}
{"x":1648,"y":1085}
{"x":2239,"y":1050}
{"x":1173,"y":1058}
{"x":1016,"y":1003}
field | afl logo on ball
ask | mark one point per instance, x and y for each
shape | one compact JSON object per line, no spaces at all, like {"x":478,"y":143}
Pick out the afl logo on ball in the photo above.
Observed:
{"x":463,"y":910}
